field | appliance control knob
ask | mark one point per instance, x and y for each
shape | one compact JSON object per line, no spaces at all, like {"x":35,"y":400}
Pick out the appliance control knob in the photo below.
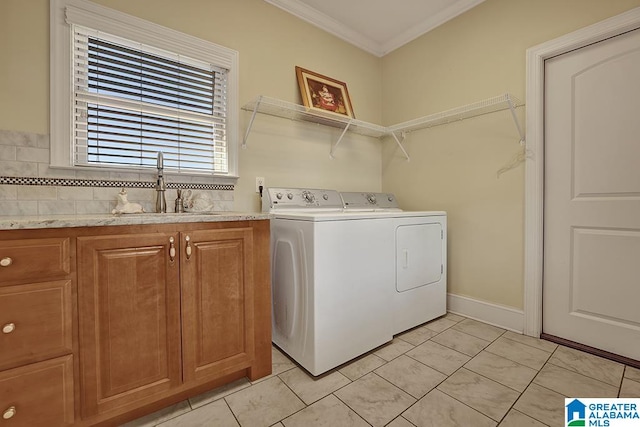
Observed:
{"x":390,"y":198}
{"x":325,"y":196}
{"x":279,"y":196}
{"x":371,"y":198}
{"x":308,"y":196}
{"x":290,"y":196}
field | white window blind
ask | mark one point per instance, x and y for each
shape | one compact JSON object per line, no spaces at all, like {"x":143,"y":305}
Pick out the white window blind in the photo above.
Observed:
{"x":131,"y":101}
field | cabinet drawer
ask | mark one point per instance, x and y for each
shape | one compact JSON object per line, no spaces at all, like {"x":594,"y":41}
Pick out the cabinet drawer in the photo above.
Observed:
{"x":35,"y":322}
{"x":36,"y":395}
{"x":34,"y":259}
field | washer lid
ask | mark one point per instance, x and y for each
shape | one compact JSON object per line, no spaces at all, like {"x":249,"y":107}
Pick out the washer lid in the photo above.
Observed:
{"x":328,"y":215}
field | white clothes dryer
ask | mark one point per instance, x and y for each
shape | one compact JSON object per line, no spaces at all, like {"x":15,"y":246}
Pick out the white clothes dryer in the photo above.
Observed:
{"x":419,"y":238}
{"x":330,"y":277}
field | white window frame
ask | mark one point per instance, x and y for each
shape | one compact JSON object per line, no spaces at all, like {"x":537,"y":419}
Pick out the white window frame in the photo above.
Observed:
{"x":110,"y":21}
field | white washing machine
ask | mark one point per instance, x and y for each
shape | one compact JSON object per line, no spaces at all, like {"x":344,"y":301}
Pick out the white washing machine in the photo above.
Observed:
{"x":420,"y":258}
{"x":330,"y":277}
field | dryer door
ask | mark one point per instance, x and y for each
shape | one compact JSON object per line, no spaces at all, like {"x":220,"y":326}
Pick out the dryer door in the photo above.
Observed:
{"x":418,"y":255}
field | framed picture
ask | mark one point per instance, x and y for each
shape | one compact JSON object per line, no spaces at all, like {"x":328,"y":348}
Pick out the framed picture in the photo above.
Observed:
{"x":324,"y":93}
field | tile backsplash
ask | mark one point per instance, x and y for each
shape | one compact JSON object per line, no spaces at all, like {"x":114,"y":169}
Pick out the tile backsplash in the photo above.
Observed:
{"x":28,"y":186}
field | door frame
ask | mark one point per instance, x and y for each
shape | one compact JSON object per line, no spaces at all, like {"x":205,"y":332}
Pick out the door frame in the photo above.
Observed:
{"x":534,"y":166}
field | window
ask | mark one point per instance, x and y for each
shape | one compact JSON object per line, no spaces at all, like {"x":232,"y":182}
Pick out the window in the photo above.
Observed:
{"x":133,"y":89}
{"x":130,"y":103}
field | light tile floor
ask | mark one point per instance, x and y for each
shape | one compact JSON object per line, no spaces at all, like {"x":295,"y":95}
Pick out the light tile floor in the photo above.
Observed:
{"x":452,"y":371}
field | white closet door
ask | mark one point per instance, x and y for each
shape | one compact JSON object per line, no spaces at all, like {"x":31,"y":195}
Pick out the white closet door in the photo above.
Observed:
{"x":591,"y":291}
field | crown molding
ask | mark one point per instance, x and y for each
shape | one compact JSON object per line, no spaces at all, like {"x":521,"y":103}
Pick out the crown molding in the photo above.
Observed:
{"x":340,"y":30}
{"x":328,"y":24}
{"x":412,"y":33}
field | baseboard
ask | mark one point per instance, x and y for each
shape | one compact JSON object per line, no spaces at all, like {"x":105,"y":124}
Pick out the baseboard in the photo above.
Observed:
{"x":494,"y":314}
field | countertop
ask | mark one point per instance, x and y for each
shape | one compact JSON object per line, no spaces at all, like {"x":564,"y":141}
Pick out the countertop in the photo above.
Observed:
{"x":98,"y":220}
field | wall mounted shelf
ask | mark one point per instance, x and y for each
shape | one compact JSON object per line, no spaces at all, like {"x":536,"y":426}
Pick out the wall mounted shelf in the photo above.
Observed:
{"x":283,"y":109}
{"x":279,"y":108}
{"x":491,"y":105}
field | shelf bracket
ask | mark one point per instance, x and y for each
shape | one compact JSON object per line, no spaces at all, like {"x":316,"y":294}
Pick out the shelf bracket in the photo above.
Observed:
{"x":333,"y":148}
{"x":253,"y":116}
{"x":512,"y":108}
{"x":403,"y":135}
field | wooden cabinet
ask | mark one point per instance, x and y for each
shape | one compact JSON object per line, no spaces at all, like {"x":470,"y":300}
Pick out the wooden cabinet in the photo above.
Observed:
{"x":217,"y":302}
{"x":101,"y":325}
{"x":129,"y":307}
{"x":36,"y":322}
{"x":36,"y":330}
{"x":34,"y":259}
{"x":166,"y":309}
{"x":39,"y":394}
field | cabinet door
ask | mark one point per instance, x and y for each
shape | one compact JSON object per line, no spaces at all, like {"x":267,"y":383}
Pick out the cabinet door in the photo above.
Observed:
{"x":217,"y":298}
{"x":129,"y":313}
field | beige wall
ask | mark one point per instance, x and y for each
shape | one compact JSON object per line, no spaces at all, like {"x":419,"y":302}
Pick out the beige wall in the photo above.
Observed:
{"x":270,"y":42}
{"x":453,"y":167}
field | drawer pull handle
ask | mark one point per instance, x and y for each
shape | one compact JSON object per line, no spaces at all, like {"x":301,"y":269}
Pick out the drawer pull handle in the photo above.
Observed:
{"x":188,"y":249}
{"x":6,"y":262}
{"x":8,"y":328}
{"x":172,"y":249}
{"x":9,"y":413}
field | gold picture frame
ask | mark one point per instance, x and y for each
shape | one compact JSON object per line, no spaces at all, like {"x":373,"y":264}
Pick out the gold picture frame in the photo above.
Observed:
{"x":324,"y":93}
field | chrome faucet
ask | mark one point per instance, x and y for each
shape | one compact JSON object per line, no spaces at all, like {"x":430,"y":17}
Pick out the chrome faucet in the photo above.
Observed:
{"x":161,"y":201}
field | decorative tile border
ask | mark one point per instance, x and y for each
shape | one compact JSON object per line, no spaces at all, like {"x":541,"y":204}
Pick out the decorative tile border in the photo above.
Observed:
{"x":69,"y":182}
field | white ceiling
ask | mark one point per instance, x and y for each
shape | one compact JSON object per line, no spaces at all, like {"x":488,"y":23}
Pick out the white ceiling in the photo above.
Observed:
{"x":377,"y":26}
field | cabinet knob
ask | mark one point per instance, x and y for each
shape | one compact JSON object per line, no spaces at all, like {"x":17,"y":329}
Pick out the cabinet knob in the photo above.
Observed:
{"x":6,"y":262}
{"x":172,"y":249}
{"x":9,"y":413}
{"x":188,"y":248}
{"x":8,"y":328}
